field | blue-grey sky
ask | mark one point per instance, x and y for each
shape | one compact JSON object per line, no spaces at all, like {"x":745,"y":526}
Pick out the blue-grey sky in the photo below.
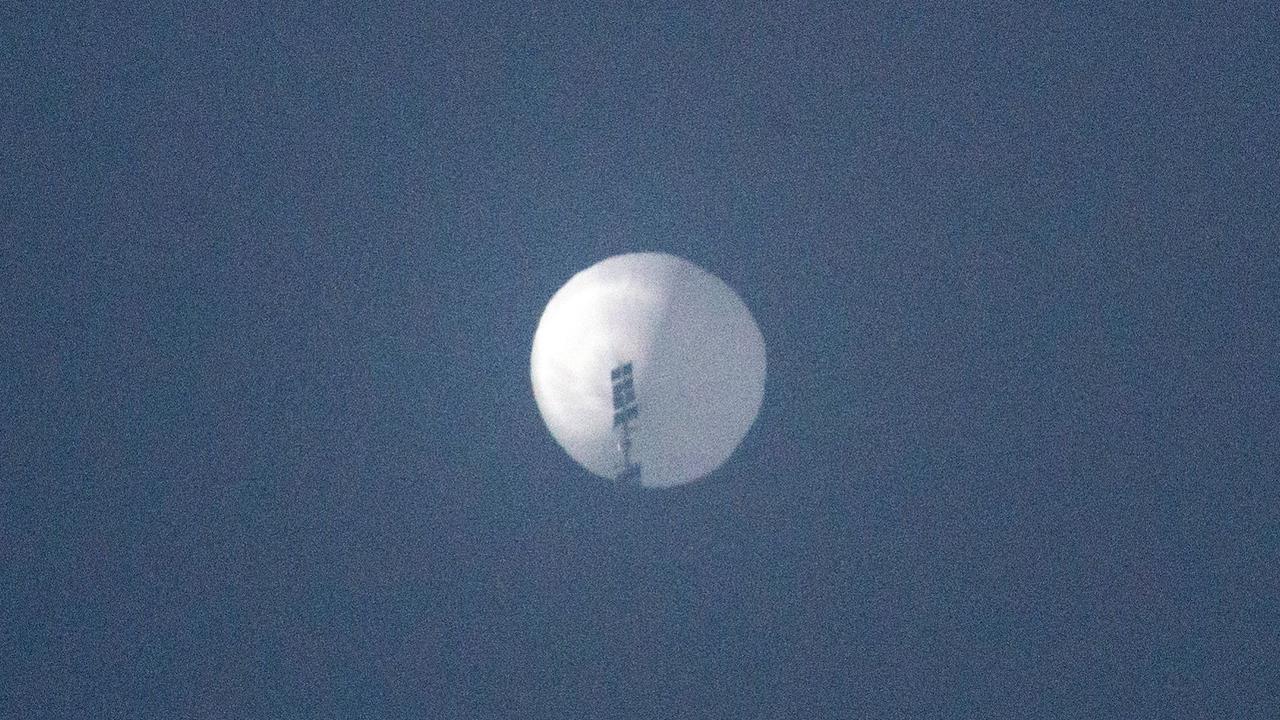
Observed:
{"x":269,"y":275}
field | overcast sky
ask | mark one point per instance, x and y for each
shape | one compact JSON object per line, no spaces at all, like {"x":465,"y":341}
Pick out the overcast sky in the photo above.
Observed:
{"x":269,"y":278}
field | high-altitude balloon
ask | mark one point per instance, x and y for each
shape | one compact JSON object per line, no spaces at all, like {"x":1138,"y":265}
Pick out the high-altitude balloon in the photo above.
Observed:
{"x":647,"y":368}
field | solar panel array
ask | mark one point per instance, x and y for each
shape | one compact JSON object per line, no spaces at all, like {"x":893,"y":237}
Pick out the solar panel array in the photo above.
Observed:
{"x":624,"y":395}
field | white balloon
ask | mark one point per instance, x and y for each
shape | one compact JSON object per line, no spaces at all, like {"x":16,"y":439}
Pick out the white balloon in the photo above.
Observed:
{"x":698,"y":363}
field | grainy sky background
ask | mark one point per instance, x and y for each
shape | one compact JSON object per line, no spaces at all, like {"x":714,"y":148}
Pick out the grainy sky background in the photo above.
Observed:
{"x":269,"y":275}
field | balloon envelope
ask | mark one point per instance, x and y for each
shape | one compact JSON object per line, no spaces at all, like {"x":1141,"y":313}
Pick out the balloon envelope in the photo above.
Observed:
{"x":698,"y":367}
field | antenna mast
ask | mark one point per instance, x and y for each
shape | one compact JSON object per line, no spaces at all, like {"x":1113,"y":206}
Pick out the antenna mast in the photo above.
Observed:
{"x":625,"y":411}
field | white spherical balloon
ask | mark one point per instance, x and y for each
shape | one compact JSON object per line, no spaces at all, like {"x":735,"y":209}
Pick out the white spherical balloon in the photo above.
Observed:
{"x":697,"y":367}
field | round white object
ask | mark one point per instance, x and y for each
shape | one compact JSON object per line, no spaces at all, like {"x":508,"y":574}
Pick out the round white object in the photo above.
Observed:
{"x":697,"y":365}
